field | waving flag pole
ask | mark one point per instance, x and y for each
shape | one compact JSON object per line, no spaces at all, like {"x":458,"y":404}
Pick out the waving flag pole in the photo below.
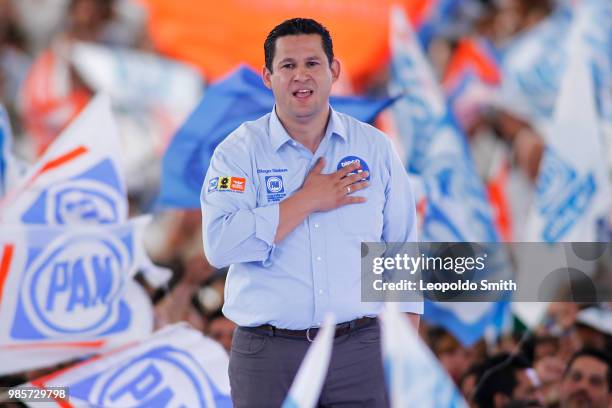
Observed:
{"x":308,"y":383}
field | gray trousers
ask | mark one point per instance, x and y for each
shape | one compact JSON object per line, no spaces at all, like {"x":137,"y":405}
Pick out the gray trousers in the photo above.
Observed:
{"x":262,"y":368}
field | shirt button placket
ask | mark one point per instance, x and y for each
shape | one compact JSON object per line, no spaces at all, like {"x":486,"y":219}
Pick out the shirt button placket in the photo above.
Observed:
{"x":317,"y":245}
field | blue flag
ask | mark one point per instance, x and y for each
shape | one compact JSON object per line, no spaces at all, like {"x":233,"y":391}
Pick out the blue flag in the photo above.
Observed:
{"x":241,"y":97}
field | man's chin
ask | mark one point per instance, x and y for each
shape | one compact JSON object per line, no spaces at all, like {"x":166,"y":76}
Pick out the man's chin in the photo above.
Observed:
{"x":579,"y":401}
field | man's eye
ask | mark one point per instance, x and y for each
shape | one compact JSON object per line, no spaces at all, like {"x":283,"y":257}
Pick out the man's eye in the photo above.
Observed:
{"x":312,"y":63}
{"x":596,"y":381}
{"x":287,"y":66}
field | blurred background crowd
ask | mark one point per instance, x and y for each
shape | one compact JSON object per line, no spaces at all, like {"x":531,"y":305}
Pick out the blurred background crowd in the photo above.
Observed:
{"x":53,"y":57}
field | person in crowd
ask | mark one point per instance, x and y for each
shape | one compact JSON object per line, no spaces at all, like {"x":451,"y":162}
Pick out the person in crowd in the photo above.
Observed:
{"x":587,"y":382}
{"x":509,"y":379}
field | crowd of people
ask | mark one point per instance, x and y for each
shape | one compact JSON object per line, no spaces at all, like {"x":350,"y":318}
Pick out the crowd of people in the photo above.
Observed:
{"x":562,"y":362}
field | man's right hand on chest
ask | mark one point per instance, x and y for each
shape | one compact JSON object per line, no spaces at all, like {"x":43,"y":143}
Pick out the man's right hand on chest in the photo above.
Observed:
{"x":320,"y":192}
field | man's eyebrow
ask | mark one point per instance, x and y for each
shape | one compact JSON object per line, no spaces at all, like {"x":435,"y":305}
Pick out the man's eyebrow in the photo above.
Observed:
{"x":286,"y":59}
{"x":291,"y":59}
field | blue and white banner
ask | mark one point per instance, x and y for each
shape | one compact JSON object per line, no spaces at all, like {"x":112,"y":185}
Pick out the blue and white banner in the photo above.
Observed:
{"x":573,"y":187}
{"x":414,"y":376}
{"x":176,"y":367}
{"x":534,"y":64}
{"x":436,"y":150}
{"x":66,"y":292}
{"x":456,"y":207}
{"x":419,"y":111}
{"x":79,"y":179}
{"x":310,"y":378}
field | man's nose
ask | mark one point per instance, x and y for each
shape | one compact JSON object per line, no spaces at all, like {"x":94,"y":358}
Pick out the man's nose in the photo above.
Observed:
{"x":300,"y":74}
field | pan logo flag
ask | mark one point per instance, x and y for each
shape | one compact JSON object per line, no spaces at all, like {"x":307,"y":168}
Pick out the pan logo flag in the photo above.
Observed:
{"x":176,"y":367}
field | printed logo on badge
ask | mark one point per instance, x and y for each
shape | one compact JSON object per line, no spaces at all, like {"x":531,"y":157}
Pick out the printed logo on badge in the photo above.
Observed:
{"x":227,"y":183}
{"x":237,"y":184}
{"x":275,"y":188}
{"x":274,"y":184}
{"x":224,"y":183}
{"x":348,"y":160}
{"x":212,"y":184}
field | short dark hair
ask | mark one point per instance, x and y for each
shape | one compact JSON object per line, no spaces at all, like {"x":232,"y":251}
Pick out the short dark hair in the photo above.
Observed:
{"x":596,"y":354}
{"x":498,"y":376}
{"x":297,"y":26}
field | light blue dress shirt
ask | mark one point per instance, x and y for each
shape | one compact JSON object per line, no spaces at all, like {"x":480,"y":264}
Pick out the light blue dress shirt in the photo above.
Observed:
{"x":317,"y":267}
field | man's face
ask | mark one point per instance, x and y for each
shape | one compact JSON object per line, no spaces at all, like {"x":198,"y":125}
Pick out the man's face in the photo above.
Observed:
{"x":585,"y":384}
{"x":525,"y":389}
{"x":301,"y":77}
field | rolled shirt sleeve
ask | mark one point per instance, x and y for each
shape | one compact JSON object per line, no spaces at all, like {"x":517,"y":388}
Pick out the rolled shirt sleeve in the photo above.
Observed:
{"x":234,"y":228}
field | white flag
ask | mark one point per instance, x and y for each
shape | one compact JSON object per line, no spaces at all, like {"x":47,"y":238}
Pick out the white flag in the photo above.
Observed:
{"x":308,"y":383}
{"x":79,"y":179}
{"x":573,"y":188}
{"x":415,"y":378}
{"x":176,"y":367}
{"x":68,"y":292}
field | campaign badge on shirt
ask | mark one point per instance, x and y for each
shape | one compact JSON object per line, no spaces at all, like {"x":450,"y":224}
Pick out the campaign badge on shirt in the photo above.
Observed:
{"x":275,"y":188}
{"x":352,"y":159}
{"x":237,"y":184}
{"x":228,"y":183}
{"x":212,"y":184}
{"x":224,"y":183}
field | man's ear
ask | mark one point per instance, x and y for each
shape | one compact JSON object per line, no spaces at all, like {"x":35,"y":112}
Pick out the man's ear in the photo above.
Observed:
{"x":335,"y":69}
{"x":265,"y":74}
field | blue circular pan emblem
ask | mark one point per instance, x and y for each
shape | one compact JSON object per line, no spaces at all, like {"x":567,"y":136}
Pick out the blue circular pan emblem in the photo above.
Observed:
{"x":274,"y":184}
{"x":351,"y":159}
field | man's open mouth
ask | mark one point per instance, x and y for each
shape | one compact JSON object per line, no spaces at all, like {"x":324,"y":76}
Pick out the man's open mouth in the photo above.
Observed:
{"x":302,"y":93}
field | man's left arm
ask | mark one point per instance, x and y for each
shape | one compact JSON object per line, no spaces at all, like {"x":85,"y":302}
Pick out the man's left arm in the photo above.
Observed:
{"x":399,"y":217}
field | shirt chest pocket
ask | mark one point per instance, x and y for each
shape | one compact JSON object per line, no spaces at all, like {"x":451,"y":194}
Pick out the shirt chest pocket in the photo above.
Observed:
{"x":365,"y":220}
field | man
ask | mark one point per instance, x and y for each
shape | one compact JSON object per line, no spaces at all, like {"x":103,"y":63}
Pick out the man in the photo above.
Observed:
{"x":507,"y":381}
{"x":287,"y":201}
{"x":587,"y":381}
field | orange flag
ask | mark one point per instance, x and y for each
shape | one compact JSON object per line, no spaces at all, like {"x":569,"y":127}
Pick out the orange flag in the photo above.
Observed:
{"x":217,"y":36}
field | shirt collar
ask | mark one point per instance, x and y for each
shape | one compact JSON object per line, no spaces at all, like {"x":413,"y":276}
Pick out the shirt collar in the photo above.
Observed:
{"x":279,"y":136}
